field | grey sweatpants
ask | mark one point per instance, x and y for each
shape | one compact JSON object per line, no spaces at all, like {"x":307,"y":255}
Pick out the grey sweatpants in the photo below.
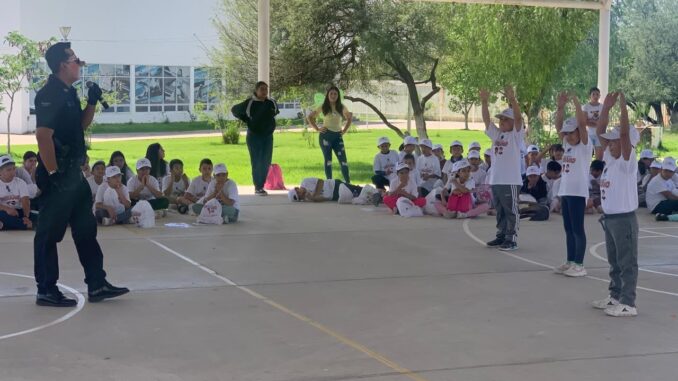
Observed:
{"x":505,"y":200}
{"x":621,"y":241}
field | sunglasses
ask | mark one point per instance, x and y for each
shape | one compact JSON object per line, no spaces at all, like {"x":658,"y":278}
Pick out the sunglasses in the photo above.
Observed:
{"x":76,"y":60}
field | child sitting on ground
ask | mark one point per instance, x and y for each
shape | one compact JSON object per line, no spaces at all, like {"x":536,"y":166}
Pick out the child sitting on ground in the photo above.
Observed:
{"x":225,"y":191}
{"x":428,"y":167}
{"x":409,"y":148}
{"x":176,"y":183}
{"x":143,"y":186}
{"x":556,"y":153}
{"x":552,"y":175}
{"x":112,"y":202}
{"x":594,"y":201}
{"x":198,"y":187}
{"x":15,"y":206}
{"x":402,"y":197}
{"x":97,"y":178}
{"x":534,"y":196}
{"x":456,"y":151}
{"x":440,"y":154}
{"x":27,"y":173}
{"x":477,"y":174}
{"x":384,"y":163}
{"x":459,"y":191}
{"x":532,"y":156}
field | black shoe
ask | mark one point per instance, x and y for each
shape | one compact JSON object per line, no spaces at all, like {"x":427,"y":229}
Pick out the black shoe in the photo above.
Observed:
{"x":508,"y":246}
{"x":495,"y":242}
{"x":107,"y":291}
{"x":260,"y":192}
{"x":183,"y":209}
{"x":54,"y":299}
{"x":377,"y":198}
{"x":661,"y":217}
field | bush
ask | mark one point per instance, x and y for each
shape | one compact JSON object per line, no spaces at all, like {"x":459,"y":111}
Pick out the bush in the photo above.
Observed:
{"x":231,"y":134}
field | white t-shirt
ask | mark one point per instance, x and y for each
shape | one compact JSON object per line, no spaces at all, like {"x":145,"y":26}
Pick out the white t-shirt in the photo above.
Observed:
{"x":592,"y":112}
{"x":12,"y":192}
{"x":575,"y":173}
{"x":545,"y":163}
{"x":145,"y":194}
{"x":311,"y":182}
{"x":553,"y":192}
{"x":470,"y":184}
{"x":447,"y":169}
{"x":506,"y":157}
{"x":655,"y":187}
{"x":410,"y":188}
{"x":230,"y":190}
{"x":618,"y":188}
{"x":178,"y":187}
{"x":26,"y":177}
{"x":479,"y":176}
{"x":401,"y":156}
{"x":386,"y":162}
{"x":93,"y":186}
{"x":428,"y":165}
{"x":198,"y":187}
{"x":109,"y":197}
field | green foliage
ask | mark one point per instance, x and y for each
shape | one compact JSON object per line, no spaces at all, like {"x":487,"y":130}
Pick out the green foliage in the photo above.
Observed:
{"x":310,"y":137}
{"x":231,"y":135}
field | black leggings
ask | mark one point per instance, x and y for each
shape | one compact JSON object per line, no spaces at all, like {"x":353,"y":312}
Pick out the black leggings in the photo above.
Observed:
{"x":333,"y":141}
{"x":573,"y":208}
{"x":666,"y":207}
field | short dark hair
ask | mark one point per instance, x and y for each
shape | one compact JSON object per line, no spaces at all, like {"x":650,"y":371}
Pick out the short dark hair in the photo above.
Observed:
{"x":99,"y":162}
{"x":259,"y":84}
{"x":558,"y":147}
{"x":30,"y":155}
{"x":408,"y":156}
{"x":593,"y":89}
{"x":205,"y":161}
{"x":174,"y":162}
{"x":554,"y":166}
{"x":598,"y":165}
{"x":56,"y":54}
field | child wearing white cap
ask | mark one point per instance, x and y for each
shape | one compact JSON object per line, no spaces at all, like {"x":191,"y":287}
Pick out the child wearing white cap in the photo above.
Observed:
{"x":477,"y":173}
{"x":593,"y":109}
{"x":428,"y":167}
{"x":15,"y":206}
{"x":532,"y":156}
{"x":440,"y":154}
{"x":402,"y":197}
{"x":619,"y":199}
{"x":574,"y":184}
{"x":505,"y":175}
{"x":112,"y":202}
{"x":143,"y":186}
{"x":646,"y":159}
{"x":555,"y":152}
{"x":662,"y":194}
{"x":534,"y":185}
{"x":456,"y":151}
{"x":459,"y":191}
{"x":474,"y":146}
{"x":655,"y":170}
{"x":225,"y":191}
{"x":198,"y":187}
{"x":409,"y":146}
{"x":385,"y":162}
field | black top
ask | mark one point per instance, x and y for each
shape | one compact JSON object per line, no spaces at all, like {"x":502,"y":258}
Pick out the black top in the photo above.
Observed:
{"x":57,"y":107}
{"x":539,"y":191}
{"x":259,"y":115}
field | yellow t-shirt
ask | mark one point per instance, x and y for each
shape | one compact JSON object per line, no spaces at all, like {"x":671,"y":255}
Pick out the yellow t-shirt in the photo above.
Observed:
{"x":332,"y":121}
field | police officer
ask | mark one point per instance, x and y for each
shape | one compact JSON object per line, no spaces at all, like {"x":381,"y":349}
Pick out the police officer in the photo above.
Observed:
{"x":66,"y":195}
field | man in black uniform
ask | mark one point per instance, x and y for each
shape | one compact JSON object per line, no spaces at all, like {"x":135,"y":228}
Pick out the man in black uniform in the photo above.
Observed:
{"x":66,"y":197}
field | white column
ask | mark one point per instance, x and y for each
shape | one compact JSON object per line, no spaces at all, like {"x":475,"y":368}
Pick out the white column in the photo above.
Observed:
{"x":264,"y":16}
{"x":604,"y":50}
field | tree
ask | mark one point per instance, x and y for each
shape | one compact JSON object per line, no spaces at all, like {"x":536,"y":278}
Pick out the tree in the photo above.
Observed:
{"x":348,"y":42}
{"x":15,"y":69}
{"x":460,"y":85}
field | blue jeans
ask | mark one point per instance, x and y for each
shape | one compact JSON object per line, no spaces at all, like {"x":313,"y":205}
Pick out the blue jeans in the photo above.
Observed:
{"x":573,"y":208}
{"x":333,"y":141}
{"x":261,"y":154}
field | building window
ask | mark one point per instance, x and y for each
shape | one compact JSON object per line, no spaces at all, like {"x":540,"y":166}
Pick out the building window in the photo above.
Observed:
{"x":161,"y":88}
{"x":205,"y":88}
{"x":113,"y":80}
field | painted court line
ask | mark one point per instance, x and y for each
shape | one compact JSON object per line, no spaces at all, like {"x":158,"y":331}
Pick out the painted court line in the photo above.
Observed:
{"x":468,"y":232}
{"x":341,"y":338}
{"x":70,"y":314}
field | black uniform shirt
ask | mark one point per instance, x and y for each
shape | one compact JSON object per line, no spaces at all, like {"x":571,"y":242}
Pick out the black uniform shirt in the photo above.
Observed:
{"x":57,"y":107}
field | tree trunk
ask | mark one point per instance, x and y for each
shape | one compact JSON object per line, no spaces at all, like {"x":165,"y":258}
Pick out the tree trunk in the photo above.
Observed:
{"x":379,"y":113}
{"x":418,"y":106}
{"x":9,"y":116}
{"x":466,"y":119}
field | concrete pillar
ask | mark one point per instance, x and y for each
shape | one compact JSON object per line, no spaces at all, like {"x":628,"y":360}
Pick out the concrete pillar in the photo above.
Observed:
{"x":264,"y":61}
{"x":604,"y":50}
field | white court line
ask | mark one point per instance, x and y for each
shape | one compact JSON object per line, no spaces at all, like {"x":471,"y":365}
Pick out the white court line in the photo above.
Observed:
{"x":594,"y":252}
{"x":468,"y":232}
{"x":341,"y":338}
{"x":70,"y":314}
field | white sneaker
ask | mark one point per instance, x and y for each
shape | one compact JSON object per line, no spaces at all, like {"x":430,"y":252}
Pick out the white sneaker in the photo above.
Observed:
{"x":605,"y":303}
{"x":575,"y":271}
{"x":106,"y":221}
{"x":462,"y":215}
{"x":562,"y":268}
{"x":621,"y":310}
{"x":449,"y":214}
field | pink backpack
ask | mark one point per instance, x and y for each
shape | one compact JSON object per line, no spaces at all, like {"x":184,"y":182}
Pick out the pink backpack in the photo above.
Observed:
{"x":274,"y":180}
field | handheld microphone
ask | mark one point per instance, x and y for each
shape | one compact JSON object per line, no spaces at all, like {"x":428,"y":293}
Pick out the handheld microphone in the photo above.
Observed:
{"x":89,"y":84}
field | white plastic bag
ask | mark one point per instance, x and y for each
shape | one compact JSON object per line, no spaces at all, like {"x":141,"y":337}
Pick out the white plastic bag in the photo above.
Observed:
{"x":407,"y":209}
{"x":365,"y":196}
{"x":430,"y":207}
{"x":211,"y":213}
{"x":144,"y":214}
{"x":345,"y":195}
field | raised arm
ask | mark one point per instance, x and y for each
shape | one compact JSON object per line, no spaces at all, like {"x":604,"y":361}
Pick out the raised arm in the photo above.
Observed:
{"x":625,"y":129}
{"x":485,"y":107}
{"x":604,"y":119}
{"x":560,"y":112}
{"x":517,"y":116}
{"x":581,"y":121}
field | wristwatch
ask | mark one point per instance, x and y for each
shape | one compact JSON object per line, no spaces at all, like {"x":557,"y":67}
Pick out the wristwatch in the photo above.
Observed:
{"x":52,"y":172}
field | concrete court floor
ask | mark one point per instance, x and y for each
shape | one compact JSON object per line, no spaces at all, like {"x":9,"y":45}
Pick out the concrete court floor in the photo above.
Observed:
{"x":301,"y":292}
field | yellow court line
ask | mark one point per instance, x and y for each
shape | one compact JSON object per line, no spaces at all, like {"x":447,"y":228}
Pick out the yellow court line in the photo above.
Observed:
{"x":338,"y":336}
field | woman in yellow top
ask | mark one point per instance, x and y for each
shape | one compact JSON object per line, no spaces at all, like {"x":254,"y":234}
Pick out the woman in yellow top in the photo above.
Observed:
{"x":331,"y":132}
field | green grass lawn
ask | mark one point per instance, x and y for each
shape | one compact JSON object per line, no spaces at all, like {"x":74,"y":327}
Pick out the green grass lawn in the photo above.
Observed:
{"x":291,"y":151}
{"x":150,"y":127}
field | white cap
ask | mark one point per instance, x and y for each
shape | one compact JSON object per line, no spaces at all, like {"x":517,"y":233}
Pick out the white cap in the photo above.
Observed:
{"x":410,"y":140}
{"x":220,"y":168}
{"x":569,"y":125}
{"x":111,"y":171}
{"x":456,"y":143}
{"x":437,"y":146}
{"x":383,"y":140}
{"x":6,"y":159}
{"x":532,"y":148}
{"x":669,"y":164}
{"x":646,"y":154}
{"x":533,"y":170}
{"x":143,"y":163}
{"x":426,"y":143}
{"x":474,"y":145}
{"x":292,"y":195}
{"x":656,"y":164}
{"x":508,"y":113}
{"x":615,"y":134}
{"x":473,"y":154}
{"x":488,"y":152}
{"x":461,"y":164}
{"x":401,"y":165}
